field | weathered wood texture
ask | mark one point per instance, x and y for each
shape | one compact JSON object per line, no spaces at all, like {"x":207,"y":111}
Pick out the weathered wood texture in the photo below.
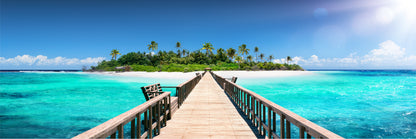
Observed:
{"x":185,"y":88}
{"x":160,"y":103}
{"x":151,"y":91}
{"x":257,"y":108}
{"x":207,"y":113}
{"x":155,"y":112}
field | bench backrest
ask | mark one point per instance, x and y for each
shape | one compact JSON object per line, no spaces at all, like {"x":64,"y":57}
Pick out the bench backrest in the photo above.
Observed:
{"x":151,"y":91}
{"x":234,"y":79}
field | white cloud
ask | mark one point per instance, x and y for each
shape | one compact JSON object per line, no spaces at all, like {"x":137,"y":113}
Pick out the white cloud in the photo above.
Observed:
{"x":388,"y":56}
{"x":41,"y":61}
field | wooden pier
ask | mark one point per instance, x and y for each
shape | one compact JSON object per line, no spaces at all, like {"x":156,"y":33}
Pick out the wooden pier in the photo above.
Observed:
{"x":208,"y":106}
{"x":207,"y":113}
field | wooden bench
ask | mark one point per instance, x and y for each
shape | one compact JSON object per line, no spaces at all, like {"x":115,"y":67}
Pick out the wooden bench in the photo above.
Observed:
{"x":154,"y":90}
{"x":234,"y":79}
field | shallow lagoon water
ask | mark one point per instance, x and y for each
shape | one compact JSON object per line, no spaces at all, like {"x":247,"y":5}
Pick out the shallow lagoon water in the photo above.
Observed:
{"x":359,"y":104}
{"x":62,"y":105}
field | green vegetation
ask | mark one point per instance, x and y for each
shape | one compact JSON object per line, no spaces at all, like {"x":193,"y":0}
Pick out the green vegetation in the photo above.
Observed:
{"x":185,"y":61}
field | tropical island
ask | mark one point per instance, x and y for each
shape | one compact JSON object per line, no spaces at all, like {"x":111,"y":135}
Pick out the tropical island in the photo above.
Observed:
{"x":186,"y":61}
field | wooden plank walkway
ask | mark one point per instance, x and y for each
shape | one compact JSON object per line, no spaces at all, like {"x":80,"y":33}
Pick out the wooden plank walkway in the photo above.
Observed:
{"x":207,"y":113}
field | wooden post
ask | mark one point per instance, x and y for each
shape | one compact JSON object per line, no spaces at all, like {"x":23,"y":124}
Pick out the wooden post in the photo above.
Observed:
{"x":282,"y":126}
{"x":158,"y":117}
{"x":149,"y":128}
{"x":259,"y":115}
{"x":178,"y":93}
{"x":302,"y":132}
{"x":247,"y":104}
{"x":170,"y":107}
{"x":133,"y":128}
{"x":120,"y":131}
{"x":113,"y":136}
{"x":274,"y":121}
{"x":287,"y":129}
{"x":308,"y":136}
{"x":253,"y":114}
{"x":269,"y":122}
{"x":139,"y":126}
{"x":243,"y":98}
{"x":145,"y":120}
{"x":165,"y":116}
{"x":264,"y":118}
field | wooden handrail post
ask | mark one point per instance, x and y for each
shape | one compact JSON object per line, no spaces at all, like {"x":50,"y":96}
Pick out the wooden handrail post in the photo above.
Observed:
{"x":165,"y":114}
{"x":282,"y":126}
{"x":170,"y":108}
{"x":264,"y":118}
{"x":133,"y":128}
{"x":287,"y":129}
{"x":150,"y":121}
{"x":178,"y":93}
{"x":302,"y":132}
{"x":120,"y":131}
{"x":259,"y":115}
{"x":157,"y":117}
{"x":269,"y":122}
{"x":253,"y":114}
{"x":274,"y":121}
{"x":113,"y":136}
{"x":139,"y":126}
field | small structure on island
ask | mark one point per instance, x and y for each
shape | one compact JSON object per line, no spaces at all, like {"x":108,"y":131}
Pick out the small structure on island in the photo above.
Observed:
{"x":207,"y":69}
{"x":122,"y":68}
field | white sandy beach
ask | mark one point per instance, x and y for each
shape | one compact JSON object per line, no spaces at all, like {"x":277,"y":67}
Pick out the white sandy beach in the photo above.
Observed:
{"x":225,"y":74}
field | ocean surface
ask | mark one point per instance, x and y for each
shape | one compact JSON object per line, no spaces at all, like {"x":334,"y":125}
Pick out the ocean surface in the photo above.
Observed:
{"x":359,"y":104}
{"x":352,"y":104}
{"x":62,"y":105}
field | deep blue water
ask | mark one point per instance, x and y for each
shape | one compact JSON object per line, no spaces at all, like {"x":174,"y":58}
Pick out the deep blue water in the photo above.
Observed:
{"x":359,"y":104}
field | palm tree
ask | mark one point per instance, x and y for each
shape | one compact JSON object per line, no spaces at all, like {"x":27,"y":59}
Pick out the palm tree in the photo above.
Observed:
{"x":178,"y":46}
{"x":288,"y":59}
{"x":220,"y":52}
{"x":179,"y":53}
{"x":261,"y":56}
{"x":183,"y":52}
{"x":114,"y":54}
{"x":231,"y":53}
{"x":239,"y":60}
{"x":152,"y":46}
{"x":242,"y":49}
{"x":256,"y":50}
{"x":249,"y":58}
{"x":208,"y":47}
{"x":270,"y":58}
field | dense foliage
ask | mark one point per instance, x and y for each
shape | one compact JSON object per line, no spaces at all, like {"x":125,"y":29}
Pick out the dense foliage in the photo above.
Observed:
{"x":185,"y":61}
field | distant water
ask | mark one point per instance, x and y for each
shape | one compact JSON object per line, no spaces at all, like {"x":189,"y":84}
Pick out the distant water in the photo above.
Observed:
{"x":359,"y":104}
{"x":62,"y":105}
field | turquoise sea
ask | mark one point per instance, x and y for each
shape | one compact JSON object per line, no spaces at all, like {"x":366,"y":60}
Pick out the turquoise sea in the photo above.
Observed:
{"x":62,"y":105}
{"x":353,"y":104}
{"x":361,"y":104}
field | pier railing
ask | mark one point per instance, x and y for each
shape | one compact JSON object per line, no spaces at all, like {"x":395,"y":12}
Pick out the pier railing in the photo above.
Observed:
{"x":185,"y":88}
{"x":262,"y":113}
{"x":155,"y":113}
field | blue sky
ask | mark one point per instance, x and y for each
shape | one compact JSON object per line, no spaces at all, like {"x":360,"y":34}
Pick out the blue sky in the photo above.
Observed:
{"x":318,"y":34}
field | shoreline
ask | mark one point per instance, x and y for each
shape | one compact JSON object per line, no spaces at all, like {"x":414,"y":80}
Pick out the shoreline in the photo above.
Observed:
{"x":225,"y":74}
